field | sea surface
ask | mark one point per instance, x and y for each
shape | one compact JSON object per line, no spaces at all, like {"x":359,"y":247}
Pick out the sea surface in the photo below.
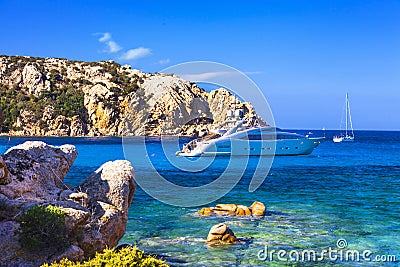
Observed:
{"x":348,"y":192}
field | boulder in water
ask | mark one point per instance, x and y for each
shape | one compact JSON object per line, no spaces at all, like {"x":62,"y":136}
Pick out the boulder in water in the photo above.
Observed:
{"x":220,"y":233}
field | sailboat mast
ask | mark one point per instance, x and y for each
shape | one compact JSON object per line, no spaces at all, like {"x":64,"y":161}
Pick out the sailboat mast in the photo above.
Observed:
{"x":351,"y":123}
{"x":347,"y":137}
{"x":347,"y":106}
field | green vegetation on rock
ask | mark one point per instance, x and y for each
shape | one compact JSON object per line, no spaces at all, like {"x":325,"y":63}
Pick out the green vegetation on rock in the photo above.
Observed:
{"x":66,"y":101}
{"x":112,"y":258}
{"x":42,"y":229}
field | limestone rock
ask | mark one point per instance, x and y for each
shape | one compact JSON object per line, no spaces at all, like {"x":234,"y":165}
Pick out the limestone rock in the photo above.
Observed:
{"x":257,"y":209}
{"x":48,"y":113}
{"x":117,"y":100}
{"x":78,"y":127}
{"x":102,"y":116}
{"x":220,"y":233}
{"x":36,"y":170}
{"x":220,"y":100}
{"x":60,"y":126}
{"x":26,"y":121}
{"x":33,"y":80}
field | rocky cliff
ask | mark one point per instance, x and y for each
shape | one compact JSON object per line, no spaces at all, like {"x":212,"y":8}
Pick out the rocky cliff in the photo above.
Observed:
{"x":59,"y":97}
{"x":96,"y":212}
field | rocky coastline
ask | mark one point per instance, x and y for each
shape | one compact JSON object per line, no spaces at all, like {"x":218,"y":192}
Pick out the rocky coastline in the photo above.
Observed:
{"x":60,"y":97}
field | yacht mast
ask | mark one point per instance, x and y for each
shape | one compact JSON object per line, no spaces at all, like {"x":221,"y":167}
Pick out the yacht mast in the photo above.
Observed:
{"x":348,"y":109}
{"x":347,"y":112}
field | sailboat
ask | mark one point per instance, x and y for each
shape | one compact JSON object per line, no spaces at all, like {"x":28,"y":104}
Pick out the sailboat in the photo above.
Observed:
{"x":349,"y":133}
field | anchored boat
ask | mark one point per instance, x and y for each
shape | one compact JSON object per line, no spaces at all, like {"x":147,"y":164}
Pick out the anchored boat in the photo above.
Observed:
{"x":242,"y":140}
{"x":348,"y":136}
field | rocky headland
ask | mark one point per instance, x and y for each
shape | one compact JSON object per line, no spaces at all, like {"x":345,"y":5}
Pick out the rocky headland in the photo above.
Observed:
{"x":32,"y":174}
{"x":60,"y":97}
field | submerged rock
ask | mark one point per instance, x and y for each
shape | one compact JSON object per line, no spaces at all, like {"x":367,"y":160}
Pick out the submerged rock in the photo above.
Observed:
{"x":95,"y":212}
{"x":225,"y":209}
{"x":243,"y":211}
{"x":256,"y":209}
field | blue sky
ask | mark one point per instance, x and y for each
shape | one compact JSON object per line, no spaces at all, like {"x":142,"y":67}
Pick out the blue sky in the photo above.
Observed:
{"x":304,"y":55}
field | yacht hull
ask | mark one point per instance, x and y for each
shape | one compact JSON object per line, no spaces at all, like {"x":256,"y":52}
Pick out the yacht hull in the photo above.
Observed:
{"x":339,"y":139}
{"x":239,"y":147}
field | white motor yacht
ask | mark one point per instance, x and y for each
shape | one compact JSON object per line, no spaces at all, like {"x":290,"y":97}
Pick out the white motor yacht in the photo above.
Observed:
{"x":242,"y":140}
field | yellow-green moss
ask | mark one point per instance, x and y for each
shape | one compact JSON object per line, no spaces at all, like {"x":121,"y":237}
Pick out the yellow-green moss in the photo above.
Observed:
{"x":111,"y":258}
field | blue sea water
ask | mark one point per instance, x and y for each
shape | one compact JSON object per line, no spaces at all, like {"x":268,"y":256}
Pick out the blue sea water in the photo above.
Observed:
{"x":341,"y":191}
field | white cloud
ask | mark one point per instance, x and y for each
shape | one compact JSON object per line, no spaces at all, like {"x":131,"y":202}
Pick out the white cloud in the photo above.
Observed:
{"x":113,"y":47}
{"x":164,"y":61}
{"x":136,"y":53}
{"x":106,"y":36}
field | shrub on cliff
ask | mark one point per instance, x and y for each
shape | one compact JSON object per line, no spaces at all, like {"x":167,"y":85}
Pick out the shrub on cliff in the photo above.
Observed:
{"x":127,"y":256}
{"x":66,"y":101}
{"x":42,"y":229}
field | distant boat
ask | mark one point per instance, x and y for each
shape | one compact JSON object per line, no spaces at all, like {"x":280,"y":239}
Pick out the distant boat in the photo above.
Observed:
{"x":348,"y":136}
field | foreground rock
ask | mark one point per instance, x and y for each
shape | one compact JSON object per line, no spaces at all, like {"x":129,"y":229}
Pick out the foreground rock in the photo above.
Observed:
{"x":221,"y":234}
{"x":256,"y":209}
{"x":110,"y":192}
{"x":96,"y":211}
{"x":36,"y":170}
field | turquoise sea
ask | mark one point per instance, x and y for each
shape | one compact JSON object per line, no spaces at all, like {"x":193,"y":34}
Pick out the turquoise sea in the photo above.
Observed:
{"x":347,"y":191}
